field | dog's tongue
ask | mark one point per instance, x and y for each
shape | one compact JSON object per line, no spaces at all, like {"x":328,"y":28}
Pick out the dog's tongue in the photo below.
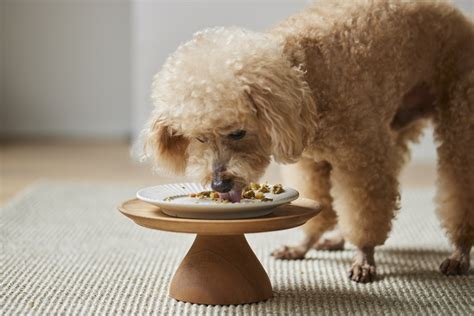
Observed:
{"x":233,"y":196}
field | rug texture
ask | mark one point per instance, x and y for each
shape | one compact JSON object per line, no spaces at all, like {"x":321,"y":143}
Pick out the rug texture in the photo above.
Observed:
{"x":67,"y":250}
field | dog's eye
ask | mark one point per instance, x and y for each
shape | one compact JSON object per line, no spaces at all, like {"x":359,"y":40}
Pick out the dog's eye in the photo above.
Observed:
{"x":202,"y":139}
{"x":237,"y":134}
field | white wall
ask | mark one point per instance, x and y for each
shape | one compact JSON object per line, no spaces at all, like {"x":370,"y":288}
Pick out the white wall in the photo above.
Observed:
{"x":66,"y":68}
{"x":2,"y":71}
{"x":465,"y":5}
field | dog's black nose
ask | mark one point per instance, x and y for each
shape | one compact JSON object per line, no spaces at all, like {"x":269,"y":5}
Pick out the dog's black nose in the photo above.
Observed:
{"x":222,"y":185}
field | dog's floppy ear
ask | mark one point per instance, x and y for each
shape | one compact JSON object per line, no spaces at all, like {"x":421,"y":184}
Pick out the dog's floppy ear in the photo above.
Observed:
{"x":285,"y":108}
{"x":168,"y":149}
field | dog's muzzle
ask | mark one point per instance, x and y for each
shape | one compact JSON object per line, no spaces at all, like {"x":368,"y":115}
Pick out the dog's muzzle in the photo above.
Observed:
{"x":222,"y":185}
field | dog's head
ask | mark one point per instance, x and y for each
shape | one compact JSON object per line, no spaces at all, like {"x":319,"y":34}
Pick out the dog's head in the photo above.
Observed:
{"x":225,"y":103}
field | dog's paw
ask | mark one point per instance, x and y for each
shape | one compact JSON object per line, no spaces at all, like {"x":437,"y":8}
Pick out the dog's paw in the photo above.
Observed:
{"x":362,"y":272}
{"x":334,"y":243}
{"x":455,"y":267}
{"x":290,"y":252}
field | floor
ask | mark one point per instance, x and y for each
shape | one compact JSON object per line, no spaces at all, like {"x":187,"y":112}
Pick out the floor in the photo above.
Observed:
{"x":24,"y":162}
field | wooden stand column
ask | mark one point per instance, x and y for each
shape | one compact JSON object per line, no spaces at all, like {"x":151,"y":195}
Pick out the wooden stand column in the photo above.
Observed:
{"x":220,"y":270}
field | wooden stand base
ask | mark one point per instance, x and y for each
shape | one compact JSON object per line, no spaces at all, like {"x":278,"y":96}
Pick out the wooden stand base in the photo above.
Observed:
{"x":220,"y":270}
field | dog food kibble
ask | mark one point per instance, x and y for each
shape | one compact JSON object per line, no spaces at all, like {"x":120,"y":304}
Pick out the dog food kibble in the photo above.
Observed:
{"x":264,"y":188}
{"x":201,"y":195}
{"x":249,"y":194}
{"x":254,"y":186}
{"x":208,"y":195}
{"x":214,"y":195}
{"x":277,"y":189}
{"x":259,"y":195}
{"x":254,"y":191}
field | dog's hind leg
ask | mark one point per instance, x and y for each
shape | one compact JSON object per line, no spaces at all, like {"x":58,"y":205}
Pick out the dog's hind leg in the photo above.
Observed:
{"x":311,"y":179}
{"x":454,"y":130}
{"x":331,"y":241}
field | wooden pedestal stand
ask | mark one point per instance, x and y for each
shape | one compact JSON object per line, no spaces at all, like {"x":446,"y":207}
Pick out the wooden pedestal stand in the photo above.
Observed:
{"x":221,"y":268}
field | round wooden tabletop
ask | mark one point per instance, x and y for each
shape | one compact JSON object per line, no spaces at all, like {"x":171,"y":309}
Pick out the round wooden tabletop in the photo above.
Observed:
{"x":282,"y":217}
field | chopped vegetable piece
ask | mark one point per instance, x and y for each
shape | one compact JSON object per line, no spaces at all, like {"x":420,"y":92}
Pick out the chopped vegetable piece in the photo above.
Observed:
{"x":248,"y":194}
{"x":259,"y":195}
{"x":214,"y":195}
{"x":254,"y":186}
{"x":264,"y":188}
{"x":277,"y":189}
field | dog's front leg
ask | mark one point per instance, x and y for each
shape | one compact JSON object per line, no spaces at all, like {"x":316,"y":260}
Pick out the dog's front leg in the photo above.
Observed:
{"x":458,"y":262}
{"x":366,"y":195}
{"x":312,"y":180}
{"x":363,"y":266}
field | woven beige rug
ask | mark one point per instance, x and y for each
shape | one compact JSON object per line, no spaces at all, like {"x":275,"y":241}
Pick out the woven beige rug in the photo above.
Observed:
{"x":66,"y":250}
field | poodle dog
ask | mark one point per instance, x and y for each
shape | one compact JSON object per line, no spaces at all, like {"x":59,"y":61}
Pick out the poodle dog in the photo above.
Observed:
{"x":339,"y":91}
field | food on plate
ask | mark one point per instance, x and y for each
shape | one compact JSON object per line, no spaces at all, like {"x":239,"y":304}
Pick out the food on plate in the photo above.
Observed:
{"x":248,"y":194}
{"x":264,"y":188}
{"x":254,"y":191}
{"x":259,"y":195}
{"x":203,"y":194}
{"x":254,"y":186}
{"x":214,"y":195}
{"x":277,"y":189}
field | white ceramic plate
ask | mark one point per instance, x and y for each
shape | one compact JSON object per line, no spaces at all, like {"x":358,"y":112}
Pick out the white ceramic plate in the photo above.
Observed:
{"x":174,"y":200}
